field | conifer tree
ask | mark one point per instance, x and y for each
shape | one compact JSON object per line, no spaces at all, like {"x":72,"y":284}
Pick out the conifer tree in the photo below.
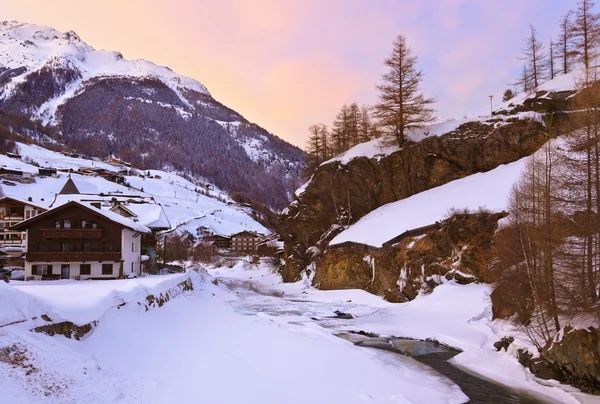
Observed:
{"x":401,"y":104}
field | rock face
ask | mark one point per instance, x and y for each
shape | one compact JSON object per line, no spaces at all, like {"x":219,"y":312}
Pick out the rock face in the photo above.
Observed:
{"x":459,"y":248}
{"x":574,"y":360}
{"x":340,"y":194}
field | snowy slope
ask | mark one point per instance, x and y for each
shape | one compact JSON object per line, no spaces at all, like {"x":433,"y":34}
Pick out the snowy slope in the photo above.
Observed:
{"x":35,"y":46}
{"x":185,"y":208}
{"x":489,"y":190}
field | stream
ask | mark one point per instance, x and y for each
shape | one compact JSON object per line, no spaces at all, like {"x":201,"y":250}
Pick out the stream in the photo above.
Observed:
{"x":431,"y":355}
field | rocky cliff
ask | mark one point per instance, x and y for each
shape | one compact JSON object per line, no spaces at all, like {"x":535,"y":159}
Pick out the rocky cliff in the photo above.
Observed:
{"x":458,"y":248}
{"x":340,"y":194}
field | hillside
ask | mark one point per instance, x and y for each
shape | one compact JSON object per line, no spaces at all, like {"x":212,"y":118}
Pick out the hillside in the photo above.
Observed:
{"x":98,"y":103}
{"x":185,"y":206}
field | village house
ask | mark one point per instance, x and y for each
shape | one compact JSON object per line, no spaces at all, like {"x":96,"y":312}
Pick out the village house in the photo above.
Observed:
{"x":245,"y":241}
{"x":221,"y":242}
{"x":79,"y":241}
{"x":13,"y":211}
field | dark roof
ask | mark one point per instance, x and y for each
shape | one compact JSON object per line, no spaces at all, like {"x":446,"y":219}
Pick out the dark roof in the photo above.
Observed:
{"x":69,"y":188}
{"x":24,"y":224}
{"x":24,"y":202}
{"x":246,"y":233}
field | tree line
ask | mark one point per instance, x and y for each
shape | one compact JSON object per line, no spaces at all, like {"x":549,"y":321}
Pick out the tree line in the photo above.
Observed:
{"x":401,"y":106}
{"x":551,"y":243}
{"x":577,"y":41}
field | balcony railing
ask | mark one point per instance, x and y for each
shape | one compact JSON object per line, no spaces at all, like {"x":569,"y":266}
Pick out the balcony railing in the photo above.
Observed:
{"x":39,"y":256}
{"x":72,"y":233}
{"x":15,"y":241}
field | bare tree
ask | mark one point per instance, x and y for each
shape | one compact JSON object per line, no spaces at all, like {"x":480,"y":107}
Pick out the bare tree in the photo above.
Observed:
{"x":401,"y":105}
{"x":586,"y":31}
{"x":565,"y":42}
{"x":533,"y":54}
{"x":551,"y":57}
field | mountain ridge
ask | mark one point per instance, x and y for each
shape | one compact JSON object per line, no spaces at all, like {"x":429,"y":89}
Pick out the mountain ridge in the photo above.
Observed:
{"x":99,"y":103}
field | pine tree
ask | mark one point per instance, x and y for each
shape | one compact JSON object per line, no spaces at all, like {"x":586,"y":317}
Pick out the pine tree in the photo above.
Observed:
{"x":353,"y":125}
{"x":339,"y":133}
{"x":533,"y":54}
{"x":566,"y":42}
{"x":507,"y":95}
{"x":586,"y":31}
{"x":401,"y":105}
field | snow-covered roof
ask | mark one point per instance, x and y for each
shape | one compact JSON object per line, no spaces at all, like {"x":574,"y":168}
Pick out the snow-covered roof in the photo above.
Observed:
{"x":150,"y":215}
{"x":490,"y":190}
{"x":24,"y":201}
{"x":112,"y":216}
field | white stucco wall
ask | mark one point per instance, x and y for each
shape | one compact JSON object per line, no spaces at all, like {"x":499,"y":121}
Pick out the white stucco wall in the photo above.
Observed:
{"x":74,"y":270}
{"x":131,"y":248}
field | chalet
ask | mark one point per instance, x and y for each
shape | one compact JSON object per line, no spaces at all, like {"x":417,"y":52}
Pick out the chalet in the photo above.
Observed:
{"x":269,"y":248}
{"x":79,"y":241}
{"x":221,"y":242}
{"x":13,"y":211}
{"x":47,"y":172}
{"x":9,"y":171}
{"x":245,"y":241}
{"x":14,"y":156}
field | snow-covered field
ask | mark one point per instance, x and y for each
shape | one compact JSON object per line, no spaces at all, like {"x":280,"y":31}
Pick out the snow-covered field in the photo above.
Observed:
{"x":249,"y":339}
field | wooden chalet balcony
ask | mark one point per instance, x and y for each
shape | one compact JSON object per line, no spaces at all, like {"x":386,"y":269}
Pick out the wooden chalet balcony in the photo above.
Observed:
{"x":72,"y":233}
{"x":35,"y":256}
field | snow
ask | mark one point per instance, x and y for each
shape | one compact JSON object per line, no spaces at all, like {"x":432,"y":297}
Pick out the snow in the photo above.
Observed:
{"x":17,"y":165}
{"x":82,"y":302}
{"x":35,"y":46}
{"x":490,"y":190}
{"x":47,"y":158}
{"x":563,"y":82}
{"x":182,"y":206}
{"x":248,"y":339}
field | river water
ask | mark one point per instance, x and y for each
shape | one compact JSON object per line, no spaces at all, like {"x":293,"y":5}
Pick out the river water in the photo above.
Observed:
{"x":255,"y":298}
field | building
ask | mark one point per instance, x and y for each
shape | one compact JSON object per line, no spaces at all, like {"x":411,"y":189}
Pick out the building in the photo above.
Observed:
{"x":79,"y":241}
{"x":13,"y":211}
{"x":221,"y":242}
{"x":245,"y":241}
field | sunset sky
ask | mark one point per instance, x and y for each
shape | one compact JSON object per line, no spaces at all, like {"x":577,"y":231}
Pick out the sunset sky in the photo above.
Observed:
{"x":288,"y":64}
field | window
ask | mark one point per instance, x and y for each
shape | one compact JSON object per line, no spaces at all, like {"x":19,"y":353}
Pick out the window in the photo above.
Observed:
{"x":94,"y":225}
{"x":107,"y":269}
{"x":85,"y":269}
{"x":85,"y":247}
{"x":85,"y":224}
{"x":41,"y":269}
{"x":65,"y":247}
{"x":107,"y":247}
{"x":66,"y":224}
{"x":132,"y":247}
{"x":57,"y":224}
{"x":27,"y":214}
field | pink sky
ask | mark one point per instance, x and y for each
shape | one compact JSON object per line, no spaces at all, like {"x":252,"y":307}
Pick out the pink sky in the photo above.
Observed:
{"x":288,"y":64}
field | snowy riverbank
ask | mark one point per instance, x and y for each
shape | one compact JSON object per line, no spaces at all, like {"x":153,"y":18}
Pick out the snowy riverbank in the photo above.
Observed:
{"x":249,"y":338}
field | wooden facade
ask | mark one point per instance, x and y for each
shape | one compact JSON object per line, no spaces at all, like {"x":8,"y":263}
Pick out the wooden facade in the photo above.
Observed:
{"x":12,"y":212}
{"x":73,"y":241}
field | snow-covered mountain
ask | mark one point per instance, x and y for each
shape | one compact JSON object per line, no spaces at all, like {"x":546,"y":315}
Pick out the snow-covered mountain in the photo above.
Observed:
{"x":98,"y":103}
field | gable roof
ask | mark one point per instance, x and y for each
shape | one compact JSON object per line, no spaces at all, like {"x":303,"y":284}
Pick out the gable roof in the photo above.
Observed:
{"x":22,"y":201}
{"x":69,"y":187}
{"x":246,"y":233}
{"x":112,"y":216}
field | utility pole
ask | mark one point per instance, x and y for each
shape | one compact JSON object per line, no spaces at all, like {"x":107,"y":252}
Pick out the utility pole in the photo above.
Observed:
{"x":491,"y":108}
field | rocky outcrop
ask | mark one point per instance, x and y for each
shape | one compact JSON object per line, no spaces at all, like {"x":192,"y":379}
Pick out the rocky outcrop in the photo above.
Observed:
{"x":574,"y":359}
{"x":457,"y":249}
{"x":340,"y":194}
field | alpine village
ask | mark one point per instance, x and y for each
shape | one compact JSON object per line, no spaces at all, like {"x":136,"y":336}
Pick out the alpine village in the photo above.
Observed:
{"x":436,"y":239}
